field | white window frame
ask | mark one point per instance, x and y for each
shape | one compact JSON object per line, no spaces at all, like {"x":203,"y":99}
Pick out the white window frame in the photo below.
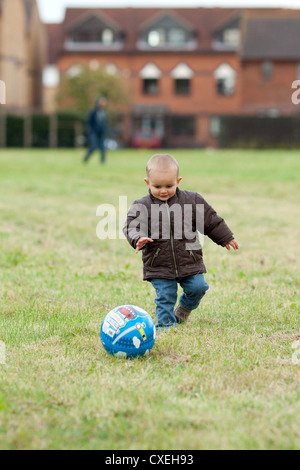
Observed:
{"x":160,"y":34}
{"x":232,"y":37}
{"x":107,"y":36}
{"x":226,"y":73}
{"x":150,"y":70}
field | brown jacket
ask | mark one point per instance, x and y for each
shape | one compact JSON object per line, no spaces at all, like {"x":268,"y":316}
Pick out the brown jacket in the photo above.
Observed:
{"x":174,"y":225}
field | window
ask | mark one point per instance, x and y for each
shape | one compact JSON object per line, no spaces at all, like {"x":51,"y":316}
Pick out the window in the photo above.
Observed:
{"x":176,"y":36}
{"x":93,"y":31}
{"x":167,"y":31}
{"x":231,"y":36}
{"x":228,"y":35}
{"x":107,"y":36}
{"x":150,"y":86}
{"x":183,"y":126}
{"x":267,"y":71}
{"x":51,"y":76}
{"x":182,"y":75}
{"x":81,"y":36}
{"x":225,"y":77}
{"x":182,"y":86}
{"x":150,"y":75}
{"x":150,"y":71}
{"x":215,"y":126}
{"x":225,"y":87}
{"x":156,"y":37}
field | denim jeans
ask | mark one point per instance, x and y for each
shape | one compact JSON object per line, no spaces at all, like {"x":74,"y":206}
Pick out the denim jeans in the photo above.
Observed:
{"x":95,"y":142}
{"x":194,"y":288}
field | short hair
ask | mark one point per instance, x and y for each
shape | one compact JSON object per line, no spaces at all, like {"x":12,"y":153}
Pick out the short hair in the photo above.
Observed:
{"x":162,"y":161}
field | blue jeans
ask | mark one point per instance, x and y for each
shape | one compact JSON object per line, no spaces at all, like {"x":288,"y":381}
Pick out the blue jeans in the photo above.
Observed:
{"x":95,"y":142}
{"x":194,"y":288}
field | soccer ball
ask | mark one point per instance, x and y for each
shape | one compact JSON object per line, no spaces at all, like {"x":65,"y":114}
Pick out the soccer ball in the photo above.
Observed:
{"x":128,"y":331}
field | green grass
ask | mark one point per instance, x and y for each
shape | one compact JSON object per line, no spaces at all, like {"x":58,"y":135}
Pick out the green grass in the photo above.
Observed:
{"x":225,"y":380}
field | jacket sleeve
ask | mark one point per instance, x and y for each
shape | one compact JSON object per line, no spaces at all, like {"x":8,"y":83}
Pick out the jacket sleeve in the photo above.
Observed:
{"x":211,"y":224}
{"x":136,"y":225}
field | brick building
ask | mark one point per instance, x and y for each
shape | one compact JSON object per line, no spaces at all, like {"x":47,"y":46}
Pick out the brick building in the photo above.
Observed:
{"x":22,"y":53}
{"x":184,"y":66}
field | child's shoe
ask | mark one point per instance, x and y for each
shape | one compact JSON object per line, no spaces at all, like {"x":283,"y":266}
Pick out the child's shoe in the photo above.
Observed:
{"x":182,"y":314}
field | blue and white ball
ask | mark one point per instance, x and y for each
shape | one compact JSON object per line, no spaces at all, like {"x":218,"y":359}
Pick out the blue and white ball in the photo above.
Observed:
{"x":128,"y":331}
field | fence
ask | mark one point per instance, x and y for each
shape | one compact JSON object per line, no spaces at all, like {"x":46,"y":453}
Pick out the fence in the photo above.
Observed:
{"x":258,"y":132}
{"x":68,"y":130}
{"x":41,"y":130}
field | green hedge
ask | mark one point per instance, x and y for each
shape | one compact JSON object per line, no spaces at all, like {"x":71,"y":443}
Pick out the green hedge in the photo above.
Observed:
{"x":40,"y":130}
{"x":14,"y":131}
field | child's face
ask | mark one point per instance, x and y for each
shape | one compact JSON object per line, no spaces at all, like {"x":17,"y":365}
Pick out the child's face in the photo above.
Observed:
{"x":163,"y":184}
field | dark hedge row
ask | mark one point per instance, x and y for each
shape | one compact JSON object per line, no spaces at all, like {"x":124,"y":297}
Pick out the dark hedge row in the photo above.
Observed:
{"x":39,"y":130}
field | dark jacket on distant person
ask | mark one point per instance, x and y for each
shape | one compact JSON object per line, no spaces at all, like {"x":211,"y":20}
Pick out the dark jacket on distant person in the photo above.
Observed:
{"x":97,"y":122}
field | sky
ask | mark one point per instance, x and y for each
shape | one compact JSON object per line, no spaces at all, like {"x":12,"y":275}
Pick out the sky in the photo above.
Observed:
{"x":52,"y":11}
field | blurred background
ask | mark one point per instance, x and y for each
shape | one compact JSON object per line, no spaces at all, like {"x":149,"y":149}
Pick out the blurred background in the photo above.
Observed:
{"x":211,"y":76}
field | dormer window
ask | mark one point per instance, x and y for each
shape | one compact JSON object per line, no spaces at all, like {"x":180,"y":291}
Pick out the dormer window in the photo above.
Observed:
{"x":232,"y":37}
{"x":94,"y":33}
{"x":160,"y":37}
{"x":228,"y":35}
{"x":167,"y":32}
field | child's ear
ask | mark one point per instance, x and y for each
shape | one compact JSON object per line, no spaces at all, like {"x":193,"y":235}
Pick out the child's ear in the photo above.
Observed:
{"x":179,"y":179}
{"x":147,"y":182}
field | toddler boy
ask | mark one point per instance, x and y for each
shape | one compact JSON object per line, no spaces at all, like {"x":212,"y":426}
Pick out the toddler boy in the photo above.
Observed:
{"x":164,"y":225}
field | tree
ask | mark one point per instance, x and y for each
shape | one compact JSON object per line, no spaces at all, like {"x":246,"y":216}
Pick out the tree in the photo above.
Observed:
{"x":79,"y":92}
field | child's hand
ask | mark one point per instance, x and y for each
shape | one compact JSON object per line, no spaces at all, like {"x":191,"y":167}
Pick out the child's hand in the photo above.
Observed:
{"x":142,"y":241}
{"x":232,"y":244}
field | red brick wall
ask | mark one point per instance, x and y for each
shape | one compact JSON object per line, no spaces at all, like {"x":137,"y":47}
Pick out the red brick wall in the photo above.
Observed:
{"x":203,"y":97}
{"x":258,"y":94}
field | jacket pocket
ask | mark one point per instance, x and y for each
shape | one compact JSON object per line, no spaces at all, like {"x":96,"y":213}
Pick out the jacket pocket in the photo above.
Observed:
{"x":154,"y":257}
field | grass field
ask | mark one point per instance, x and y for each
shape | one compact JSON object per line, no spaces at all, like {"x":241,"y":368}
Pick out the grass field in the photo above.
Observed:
{"x":225,"y":380}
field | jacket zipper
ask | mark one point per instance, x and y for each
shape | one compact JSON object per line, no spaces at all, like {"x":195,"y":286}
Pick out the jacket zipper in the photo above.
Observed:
{"x":155,"y":256}
{"x":172,"y":239}
{"x":192,"y":254}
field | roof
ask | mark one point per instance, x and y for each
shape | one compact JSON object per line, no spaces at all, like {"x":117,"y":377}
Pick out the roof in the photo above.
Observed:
{"x":272,"y":38}
{"x":55,"y":39}
{"x":204,"y":22}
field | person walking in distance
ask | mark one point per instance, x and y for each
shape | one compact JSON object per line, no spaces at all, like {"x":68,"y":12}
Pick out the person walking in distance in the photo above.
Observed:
{"x":96,"y":128}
